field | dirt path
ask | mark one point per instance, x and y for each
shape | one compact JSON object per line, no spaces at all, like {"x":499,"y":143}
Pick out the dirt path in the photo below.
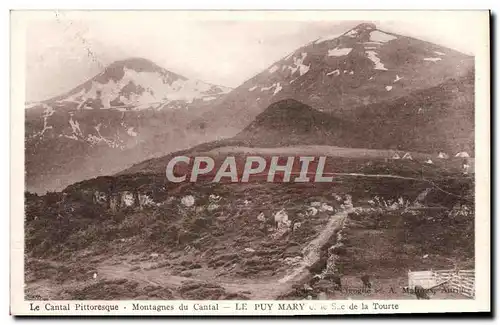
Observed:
{"x":312,"y":250}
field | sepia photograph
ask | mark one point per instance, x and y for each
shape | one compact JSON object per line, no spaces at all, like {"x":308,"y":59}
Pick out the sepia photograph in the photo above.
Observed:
{"x":250,"y":156}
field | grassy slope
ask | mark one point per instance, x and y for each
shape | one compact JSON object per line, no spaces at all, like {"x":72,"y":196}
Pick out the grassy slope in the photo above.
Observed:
{"x":195,"y":244}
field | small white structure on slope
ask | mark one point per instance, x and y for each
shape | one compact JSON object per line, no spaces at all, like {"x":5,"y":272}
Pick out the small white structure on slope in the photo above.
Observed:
{"x":462,"y":154}
{"x":466,"y":167}
{"x":443,"y":155}
{"x":407,"y":156}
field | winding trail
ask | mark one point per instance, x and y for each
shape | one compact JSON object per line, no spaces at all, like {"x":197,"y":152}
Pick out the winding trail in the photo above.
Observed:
{"x":313,"y":250}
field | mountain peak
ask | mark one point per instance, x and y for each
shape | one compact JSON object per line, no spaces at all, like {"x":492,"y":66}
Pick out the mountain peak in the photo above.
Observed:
{"x":137,"y":83}
{"x":362,"y":31}
{"x":365,"y":27}
{"x":115,"y":70}
{"x":287,"y":114}
{"x":289,"y":121}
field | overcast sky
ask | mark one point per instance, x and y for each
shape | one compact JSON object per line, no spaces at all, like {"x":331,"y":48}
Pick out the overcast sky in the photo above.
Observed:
{"x":66,"y":50}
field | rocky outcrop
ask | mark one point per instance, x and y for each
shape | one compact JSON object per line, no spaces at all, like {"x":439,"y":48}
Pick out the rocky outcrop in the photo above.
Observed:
{"x":100,"y":198}
{"x":114,"y":200}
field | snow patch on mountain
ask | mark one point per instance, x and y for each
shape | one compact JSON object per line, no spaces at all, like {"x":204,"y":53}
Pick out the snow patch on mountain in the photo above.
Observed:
{"x":207,"y":99}
{"x":142,"y":89}
{"x":339,"y":51}
{"x":372,"y":55}
{"x":298,"y":64}
{"x":439,"y":53}
{"x":432,"y":59}
{"x":397,"y":78}
{"x":252,"y":88}
{"x":277,"y":88}
{"x":97,"y":139}
{"x":304,"y":69}
{"x":352,"y":33}
{"x":72,"y":137}
{"x":388,"y":88}
{"x":378,"y":36}
{"x":45,"y":127}
{"x":49,"y":111}
{"x":75,"y":127}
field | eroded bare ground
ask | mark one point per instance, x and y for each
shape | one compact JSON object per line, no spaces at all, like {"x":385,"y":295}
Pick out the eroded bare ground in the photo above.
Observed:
{"x":227,"y":244}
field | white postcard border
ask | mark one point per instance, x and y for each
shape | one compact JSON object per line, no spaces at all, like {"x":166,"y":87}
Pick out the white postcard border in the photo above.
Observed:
{"x":479,"y":22}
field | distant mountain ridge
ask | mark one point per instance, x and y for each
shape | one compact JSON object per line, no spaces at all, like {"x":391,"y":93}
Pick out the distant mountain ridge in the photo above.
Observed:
{"x":132,"y":110}
{"x":138,"y":83}
{"x":341,"y":75}
{"x":363,"y":89}
{"x":386,"y":126}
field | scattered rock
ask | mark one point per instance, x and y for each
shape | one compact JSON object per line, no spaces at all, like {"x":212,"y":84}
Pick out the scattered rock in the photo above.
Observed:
{"x":214,"y":198}
{"x":281,"y":219}
{"x":296,"y":225}
{"x":325,"y":207}
{"x":337,"y":197}
{"x":212,"y":207}
{"x":188,"y":200}
{"x":312,"y":211}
